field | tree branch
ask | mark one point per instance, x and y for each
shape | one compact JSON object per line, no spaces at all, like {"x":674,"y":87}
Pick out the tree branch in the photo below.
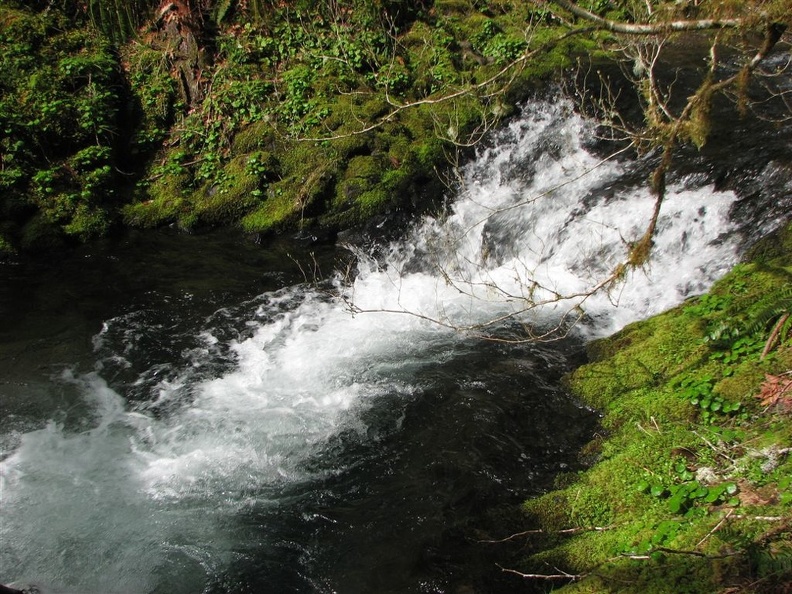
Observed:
{"x":498,"y":76}
{"x":543,"y":576}
{"x":565,"y":531}
{"x":649,"y":28}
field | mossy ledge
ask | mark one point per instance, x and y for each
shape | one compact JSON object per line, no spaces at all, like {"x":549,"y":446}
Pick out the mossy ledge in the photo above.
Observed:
{"x":690,"y":483}
{"x":290,"y":116}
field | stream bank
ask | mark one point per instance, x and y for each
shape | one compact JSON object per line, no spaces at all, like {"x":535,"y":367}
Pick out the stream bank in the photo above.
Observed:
{"x":689,"y":486}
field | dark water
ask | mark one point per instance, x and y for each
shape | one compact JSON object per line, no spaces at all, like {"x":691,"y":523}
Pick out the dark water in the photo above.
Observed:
{"x":51,"y":308}
{"x":396,"y":501}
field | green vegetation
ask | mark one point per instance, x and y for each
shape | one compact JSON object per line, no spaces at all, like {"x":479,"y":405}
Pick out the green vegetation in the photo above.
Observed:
{"x":59,"y":113}
{"x":266,"y":115}
{"x":690,"y":486}
{"x":260,"y":113}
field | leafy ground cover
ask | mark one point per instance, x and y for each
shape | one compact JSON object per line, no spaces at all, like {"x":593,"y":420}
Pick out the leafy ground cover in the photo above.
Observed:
{"x":283,"y":115}
{"x":691,"y":478}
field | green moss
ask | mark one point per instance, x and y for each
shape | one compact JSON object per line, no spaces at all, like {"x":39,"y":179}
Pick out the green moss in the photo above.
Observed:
{"x":280,"y":207}
{"x":453,"y":7}
{"x":87,"y":222}
{"x":236,"y":193}
{"x":373,"y":201}
{"x":166,"y":200}
{"x":256,"y":136}
{"x":773,"y":249}
{"x":6,"y":248}
{"x":39,"y":234}
{"x":650,"y":381}
{"x":362,"y":174}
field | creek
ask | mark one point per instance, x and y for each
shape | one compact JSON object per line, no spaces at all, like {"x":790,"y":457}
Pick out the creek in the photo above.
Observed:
{"x":184,"y":414}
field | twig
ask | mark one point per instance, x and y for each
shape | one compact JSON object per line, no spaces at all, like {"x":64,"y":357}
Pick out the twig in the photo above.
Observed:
{"x":717,"y":450}
{"x":684,"y":552}
{"x":715,"y":529}
{"x":544,"y":576}
{"x":650,"y":28}
{"x":576,"y":530}
{"x":771,"y":341}
{"x":757,"y":518}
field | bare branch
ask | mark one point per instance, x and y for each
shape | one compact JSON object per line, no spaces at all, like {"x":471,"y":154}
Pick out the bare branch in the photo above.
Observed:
{"x":649,"y":29}
{"x":543,"y":576}
{"x":565,"y":531}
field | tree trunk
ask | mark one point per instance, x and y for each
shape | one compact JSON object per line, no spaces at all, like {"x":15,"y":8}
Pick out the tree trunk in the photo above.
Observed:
{"x":179,"y":25}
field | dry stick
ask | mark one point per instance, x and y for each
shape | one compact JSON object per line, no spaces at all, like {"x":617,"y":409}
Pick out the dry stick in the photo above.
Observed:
{"x":774,"y":336}
{"x":756,"y":518}
{"x":718,"y":451}
{"x":576,"y":530}
{"x":649,"y":29}
{"x":542,"y":576}
{"x":683,"y":552}
{"x":715,"y":529}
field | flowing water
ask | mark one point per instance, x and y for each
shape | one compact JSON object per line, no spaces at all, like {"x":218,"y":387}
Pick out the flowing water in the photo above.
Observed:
{"x":191,"y":414}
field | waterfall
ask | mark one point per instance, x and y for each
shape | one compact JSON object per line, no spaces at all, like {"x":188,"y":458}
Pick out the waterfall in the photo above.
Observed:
{"x":145,"y":487}
{"x":542,"y":220}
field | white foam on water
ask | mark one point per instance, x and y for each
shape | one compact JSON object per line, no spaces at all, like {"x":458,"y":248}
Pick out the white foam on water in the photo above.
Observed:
{"x":147,"y":496}
{"x":542,"y":219}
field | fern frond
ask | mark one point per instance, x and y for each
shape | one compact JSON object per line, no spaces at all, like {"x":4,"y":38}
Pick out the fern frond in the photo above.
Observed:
{"x":769,"y":310}
{"x":221,"y":10}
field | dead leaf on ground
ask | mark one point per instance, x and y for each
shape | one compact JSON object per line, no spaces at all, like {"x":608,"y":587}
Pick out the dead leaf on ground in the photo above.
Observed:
{"x":776,"y":391}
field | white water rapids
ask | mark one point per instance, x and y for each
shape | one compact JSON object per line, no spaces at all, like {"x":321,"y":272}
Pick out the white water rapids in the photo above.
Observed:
{"x":143,"y":496}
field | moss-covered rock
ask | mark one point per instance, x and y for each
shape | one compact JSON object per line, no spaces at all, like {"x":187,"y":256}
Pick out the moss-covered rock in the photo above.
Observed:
{"x":318,"y":98}
{"x":166,"y":198}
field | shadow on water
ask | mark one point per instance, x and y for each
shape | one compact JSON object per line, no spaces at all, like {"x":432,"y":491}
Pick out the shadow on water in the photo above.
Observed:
{"x":407,"y":492}
{"x":52,"y":308}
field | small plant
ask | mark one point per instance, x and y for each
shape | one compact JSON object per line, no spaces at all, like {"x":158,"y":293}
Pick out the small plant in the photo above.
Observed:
{"x":663,"y":534}
{"x":698,"y":391}
{"x":785,"y":490}
{"x":683,"y":496}
{"x":741,"y":348}
{"x":708,"y":304}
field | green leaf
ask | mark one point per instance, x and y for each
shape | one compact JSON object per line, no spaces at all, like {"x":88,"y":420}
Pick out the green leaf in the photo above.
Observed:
{"x":676,"y":502}
{"x":700,"y":492}
{"x":714,"y":495}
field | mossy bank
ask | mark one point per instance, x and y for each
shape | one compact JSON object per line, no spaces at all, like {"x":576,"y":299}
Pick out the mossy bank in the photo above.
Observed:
{"x":691,"y":478}
{"x":270,"y":116}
